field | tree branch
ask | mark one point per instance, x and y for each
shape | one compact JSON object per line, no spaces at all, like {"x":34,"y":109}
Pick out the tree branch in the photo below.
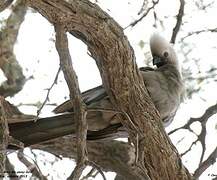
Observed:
{"x":4,"y":134}
{"x":5,"y":4}
{"x":8,"y":63}
{"x":178,"y":21}
{"x":203,"y":119}
{"x":158,"y":158}
{"x":112,"y":155}
{"x":75,"y":97}
{"x":213,"y":30}
{"x":33,"y":168}
{"x":207,"y":163}
{"x":154,"y":3}
{"x":48,"y":92}
{"x":201,"y":137}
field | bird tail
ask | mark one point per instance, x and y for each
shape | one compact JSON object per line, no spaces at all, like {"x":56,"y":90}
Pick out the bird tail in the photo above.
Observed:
{"x":44,"y":129}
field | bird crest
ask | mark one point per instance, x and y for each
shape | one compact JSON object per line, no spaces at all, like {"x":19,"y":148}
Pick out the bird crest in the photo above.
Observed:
{"x":161,"y":48}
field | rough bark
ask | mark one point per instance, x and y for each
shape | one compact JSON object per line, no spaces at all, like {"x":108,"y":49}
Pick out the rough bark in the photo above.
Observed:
{"x":4,"y":135}
{"x":75,"y":98}
{"x":5,"y":4}
{"x":8,"y":62}
{"x":156,"y":157}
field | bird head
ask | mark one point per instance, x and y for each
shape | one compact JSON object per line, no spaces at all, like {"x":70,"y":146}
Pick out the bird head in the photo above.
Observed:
{"x":162,"y":51}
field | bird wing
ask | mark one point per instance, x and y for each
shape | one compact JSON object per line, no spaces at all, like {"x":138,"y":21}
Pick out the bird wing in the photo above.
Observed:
{"x":95,"y":97}
{"x":89,"y":97}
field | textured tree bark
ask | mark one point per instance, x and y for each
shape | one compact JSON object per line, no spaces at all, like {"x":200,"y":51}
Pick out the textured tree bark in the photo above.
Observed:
{"x":4,"y":135}
{"x":156,"y":157}
{"x":8,"y":62}
{"x":75,"y":97}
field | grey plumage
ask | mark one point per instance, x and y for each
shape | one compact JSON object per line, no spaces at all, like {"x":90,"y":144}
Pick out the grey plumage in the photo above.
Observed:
{"x":163,"y":83}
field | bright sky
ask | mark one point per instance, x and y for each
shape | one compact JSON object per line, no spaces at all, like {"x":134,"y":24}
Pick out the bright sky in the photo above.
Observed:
{"x":35,"y":51}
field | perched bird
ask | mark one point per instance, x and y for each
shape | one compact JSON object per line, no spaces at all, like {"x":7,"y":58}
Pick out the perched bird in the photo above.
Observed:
{"x":164,"y":84}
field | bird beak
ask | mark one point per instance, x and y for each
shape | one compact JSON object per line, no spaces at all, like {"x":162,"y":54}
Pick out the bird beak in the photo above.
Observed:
{"x":156,"y":60}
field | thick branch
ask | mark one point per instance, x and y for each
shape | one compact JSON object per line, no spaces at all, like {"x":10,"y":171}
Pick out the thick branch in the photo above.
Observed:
{"x":4,"y":134}
{"x":5,"y":4}
{"x":8,"y":63}
{"x":115,"y":58}
{"x":113,"y":155}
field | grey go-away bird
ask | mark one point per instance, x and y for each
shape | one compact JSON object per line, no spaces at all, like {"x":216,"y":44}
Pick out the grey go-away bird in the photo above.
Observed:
{"x":164,"y":84}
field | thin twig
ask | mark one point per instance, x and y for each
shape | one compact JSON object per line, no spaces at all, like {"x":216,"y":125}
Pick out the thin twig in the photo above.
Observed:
{"x":189,"y":149}
{"x":143,"y":7}
{"x":37,"y":104}
{"x":33,"y":168}
{"x":198,"y":32}
{"x":37,"y":171}
{"x":154,"y":3}
{"x":92,"y":173}
{"x":178,"y":21}
{"x":48,"y":92}
{"x":91,"y":163}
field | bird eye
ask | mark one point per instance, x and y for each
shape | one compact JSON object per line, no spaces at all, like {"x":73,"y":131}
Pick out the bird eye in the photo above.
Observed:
{"x":166,"y":54}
